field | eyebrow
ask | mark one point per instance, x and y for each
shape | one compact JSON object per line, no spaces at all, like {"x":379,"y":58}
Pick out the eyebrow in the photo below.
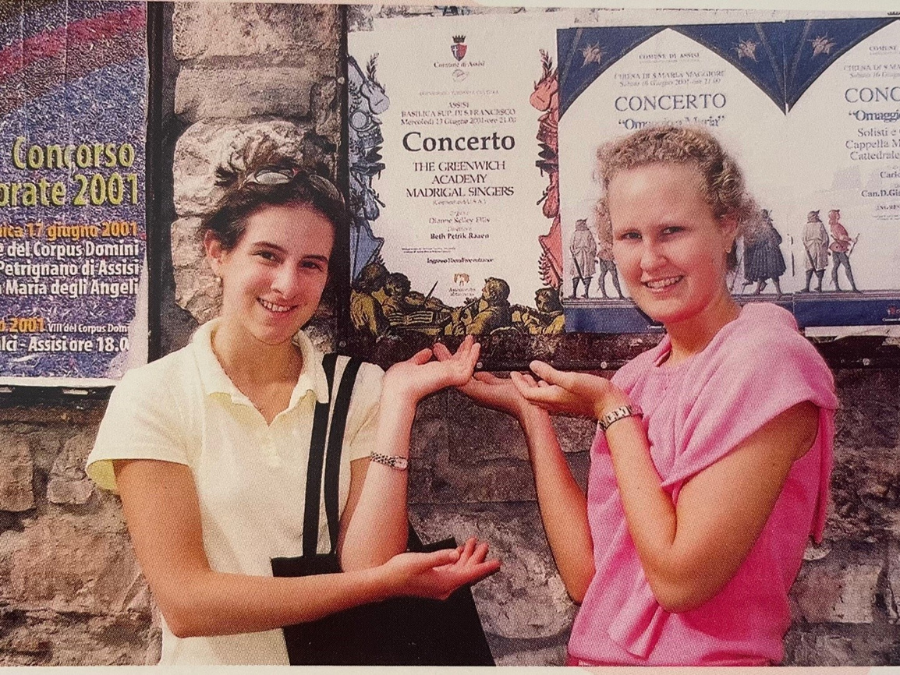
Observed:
{"x":268,"y":244}
{"x":320,"y":258}
{"x":280,"y":249}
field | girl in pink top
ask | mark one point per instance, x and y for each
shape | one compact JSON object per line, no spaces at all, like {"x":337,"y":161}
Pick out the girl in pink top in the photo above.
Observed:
{"x":710,"y":467}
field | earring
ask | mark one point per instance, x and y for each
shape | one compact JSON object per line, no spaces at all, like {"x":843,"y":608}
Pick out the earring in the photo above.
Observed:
{"x":218,"y":280}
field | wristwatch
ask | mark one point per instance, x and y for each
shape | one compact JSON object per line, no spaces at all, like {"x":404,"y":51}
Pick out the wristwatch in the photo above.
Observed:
{"x":393,"y":461}
{"x":619,"y":413}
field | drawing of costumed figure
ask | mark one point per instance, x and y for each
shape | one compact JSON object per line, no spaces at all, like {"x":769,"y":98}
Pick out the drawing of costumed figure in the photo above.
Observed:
{"x":367,"y":294}
{"x":396,"y":287}
{"x":763,"y":259}
{"x":406,"y":309}
{"x":584,"y":255}
{"x":549,"y":318}
{"x":815,"y":244}
{"x":486,"y":314}
{"x":841,"y":248}
{"x":367,"y":99}
{"x":605,"y":255}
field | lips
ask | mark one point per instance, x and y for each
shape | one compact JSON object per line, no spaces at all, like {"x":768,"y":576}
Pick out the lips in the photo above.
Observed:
{"x":276,"y":308}
{"x":660,"y":284}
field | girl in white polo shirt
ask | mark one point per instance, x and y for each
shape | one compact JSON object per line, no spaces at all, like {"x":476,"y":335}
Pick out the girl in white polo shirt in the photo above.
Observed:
{"x":208,"y":446}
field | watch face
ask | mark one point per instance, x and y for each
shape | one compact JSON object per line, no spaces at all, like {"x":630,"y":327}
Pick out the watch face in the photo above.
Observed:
{"x":400,"y":463}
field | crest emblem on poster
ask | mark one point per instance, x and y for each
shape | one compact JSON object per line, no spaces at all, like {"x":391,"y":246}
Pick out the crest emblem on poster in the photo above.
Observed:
{"x":459,"y":47}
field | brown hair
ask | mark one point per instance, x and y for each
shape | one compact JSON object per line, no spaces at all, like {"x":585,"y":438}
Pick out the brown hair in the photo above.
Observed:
{"x":247,"y":192}
{"x":722,"y":179}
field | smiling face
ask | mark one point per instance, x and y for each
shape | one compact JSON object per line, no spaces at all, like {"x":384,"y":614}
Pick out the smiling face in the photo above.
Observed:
{"x":273,"y":278}
{"x":668,"y":246}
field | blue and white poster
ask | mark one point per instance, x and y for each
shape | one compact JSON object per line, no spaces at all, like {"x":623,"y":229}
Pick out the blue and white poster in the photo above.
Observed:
{"x":73,"y":77}
{"x":806,"y":107}
{"x":846,"y":172}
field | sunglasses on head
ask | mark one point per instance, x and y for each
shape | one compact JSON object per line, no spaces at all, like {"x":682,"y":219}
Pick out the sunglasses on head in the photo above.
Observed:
{"x":276,"y":176}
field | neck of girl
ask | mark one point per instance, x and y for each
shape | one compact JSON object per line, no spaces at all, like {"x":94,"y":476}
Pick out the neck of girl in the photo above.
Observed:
{"x":252,"y":365}
{"x":691,"y":336}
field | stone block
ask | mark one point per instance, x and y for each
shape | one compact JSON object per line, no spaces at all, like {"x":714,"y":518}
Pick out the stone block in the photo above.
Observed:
{"x":68,"y":482}
{"x":326,"y":108}
{"x":823,"y":650}
{"x":526,"y":599}
{"x":865,"y":489}
{"x":93,"y":571}
{"x":575,"y":434}
{"x":16,"y":490}
{"x":187,"y":249}
{"x":429,"y":432}
{"x":477,"y":434}
{"x":580,"y":465}
{"x":62,"y":491}
{"x":815,"y":551}
{"x":205,"y":146}
{"x":234,"y":93}
{"x":439,"y":481}
{"x":276,"y":33}
{"x":45,"y":638}
{"x":196,"y":287}
{"x":892,"y":598}
{"x":534,"y":656}
{"x":869,"y":415}
{"x":837,"y":592}
{"x":485,"y":458}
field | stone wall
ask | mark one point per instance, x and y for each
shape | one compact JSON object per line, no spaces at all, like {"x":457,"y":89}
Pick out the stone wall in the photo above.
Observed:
{"x":244,"y":73}
{"x":70,"y":591}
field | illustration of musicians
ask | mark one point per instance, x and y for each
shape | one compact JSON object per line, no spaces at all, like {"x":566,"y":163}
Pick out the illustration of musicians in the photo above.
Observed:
{"x":841,"y":247}
{"x":549,"y":318}
{"x":366,"y":297}
{"x":584,"y":254}
{"x":815,"y":243}
{"x":486,"y":314}
{"x":397,"y":288}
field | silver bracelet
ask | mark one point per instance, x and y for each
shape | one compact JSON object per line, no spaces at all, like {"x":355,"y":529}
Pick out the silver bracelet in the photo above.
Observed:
{"x":393,"y":461}
{"x":618,"y":414}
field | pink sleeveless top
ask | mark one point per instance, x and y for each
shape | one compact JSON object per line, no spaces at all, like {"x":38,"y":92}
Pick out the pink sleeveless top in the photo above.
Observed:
{"x":695,"y":413}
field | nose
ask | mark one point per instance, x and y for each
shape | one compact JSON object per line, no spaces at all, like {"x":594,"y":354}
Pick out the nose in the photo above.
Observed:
{"x":287,"y":281}
{"x":652,"y":256}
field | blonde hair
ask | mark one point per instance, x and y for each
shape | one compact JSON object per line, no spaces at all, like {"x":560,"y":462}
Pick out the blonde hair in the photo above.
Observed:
{"x":722,"y":180}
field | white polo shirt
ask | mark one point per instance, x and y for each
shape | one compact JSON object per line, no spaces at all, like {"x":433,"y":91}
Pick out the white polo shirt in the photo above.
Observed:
{"x":250,"y":476}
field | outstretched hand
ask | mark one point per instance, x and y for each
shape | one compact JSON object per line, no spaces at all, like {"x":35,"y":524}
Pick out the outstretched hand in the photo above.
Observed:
{"x":497,"y":393}
{"x":436,"y":575}
{"x":420,"y":375}
{"x":560,"y":391}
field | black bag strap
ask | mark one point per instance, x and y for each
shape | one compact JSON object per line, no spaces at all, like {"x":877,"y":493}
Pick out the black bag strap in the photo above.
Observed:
{"x":413,"y":543}
{"x":335,"y":444}
{"x":339,"y":406}
{"x":314,"y":464}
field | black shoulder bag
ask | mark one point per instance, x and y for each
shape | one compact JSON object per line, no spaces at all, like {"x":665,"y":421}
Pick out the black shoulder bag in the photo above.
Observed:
{"x":396,"y":632}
